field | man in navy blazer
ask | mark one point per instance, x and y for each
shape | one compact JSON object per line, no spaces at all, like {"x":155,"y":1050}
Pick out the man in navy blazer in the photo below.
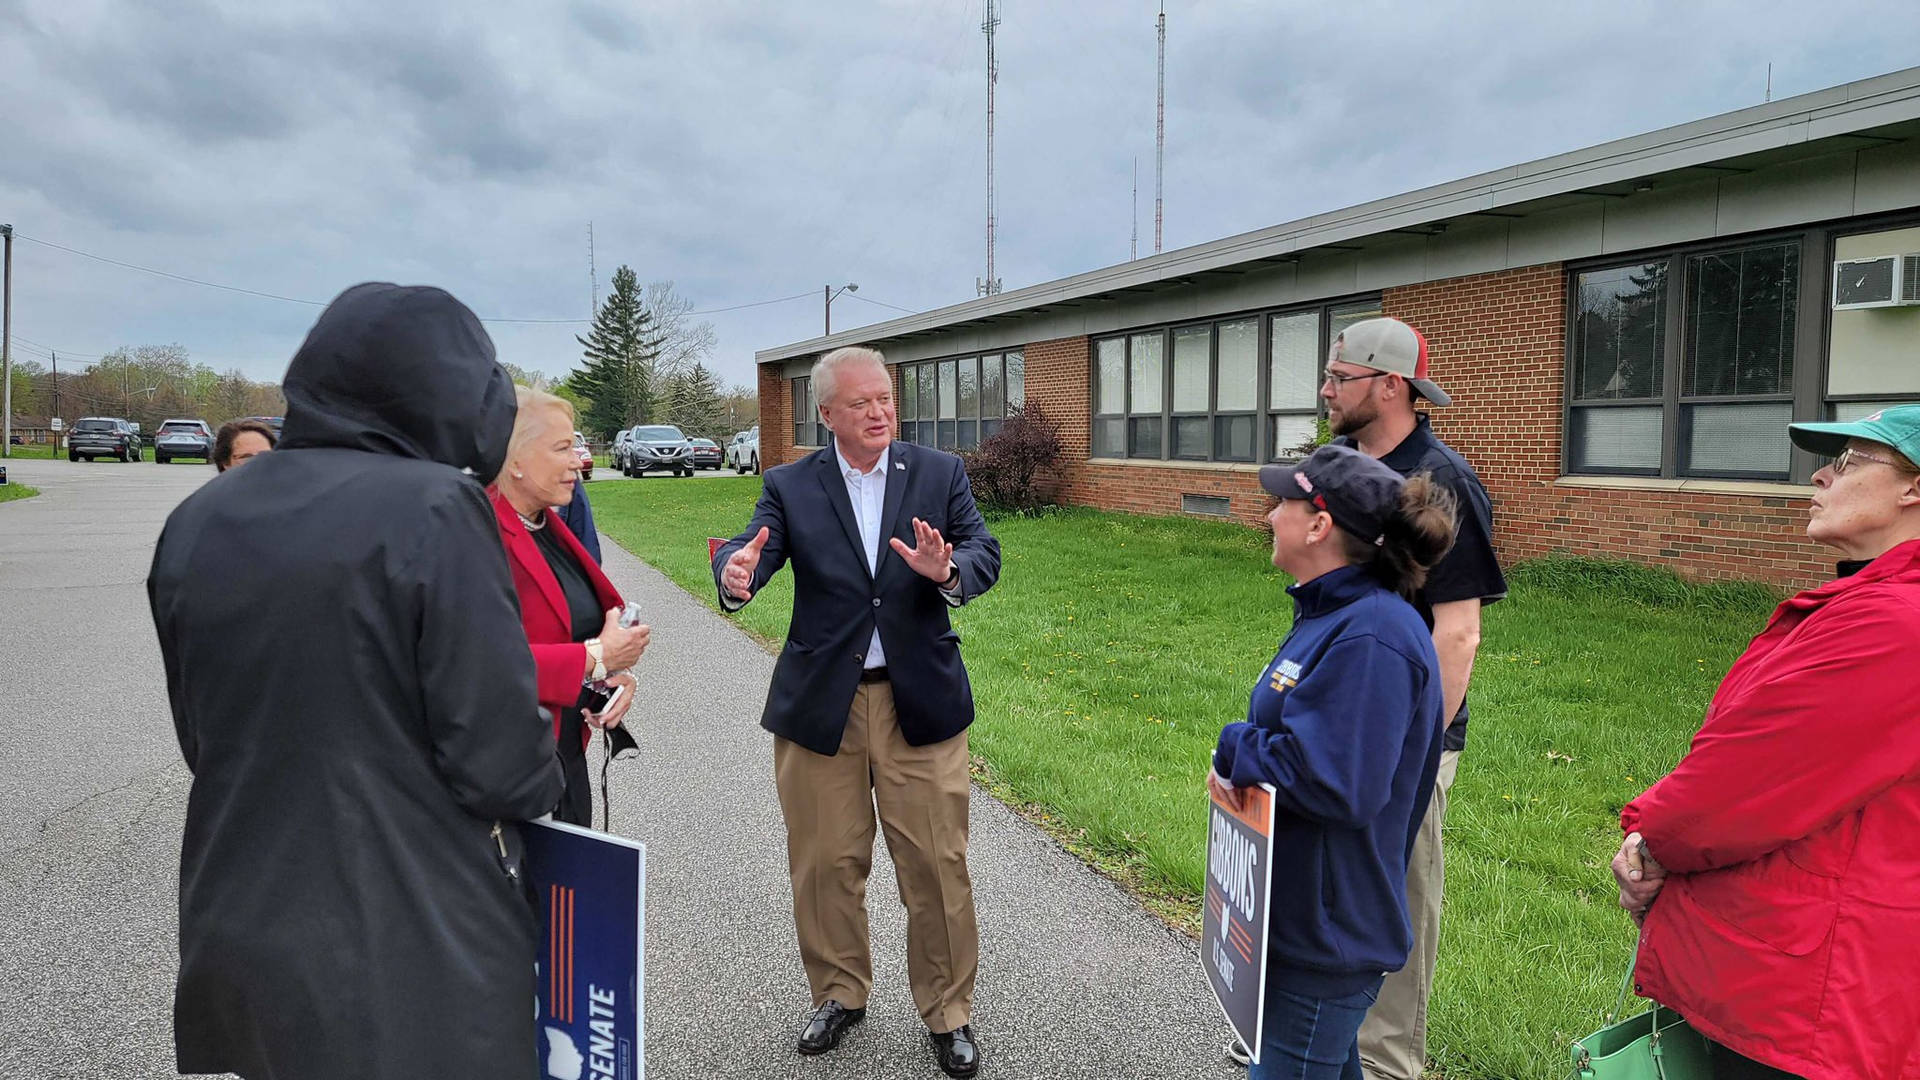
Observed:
{"x":870,"y":702}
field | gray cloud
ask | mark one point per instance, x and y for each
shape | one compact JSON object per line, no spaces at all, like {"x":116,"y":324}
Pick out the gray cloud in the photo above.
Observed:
{"x":750,"y":150}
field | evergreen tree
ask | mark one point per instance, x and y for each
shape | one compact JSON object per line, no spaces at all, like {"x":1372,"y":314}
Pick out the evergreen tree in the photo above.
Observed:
{"x":615,"y":376}
{"x":697,"y":408}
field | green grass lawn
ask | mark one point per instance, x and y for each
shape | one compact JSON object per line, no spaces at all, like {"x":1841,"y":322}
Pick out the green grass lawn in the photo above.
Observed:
{"x":1115,"y":647}
{"x":39,"y":451}
{"x":11,"y":492}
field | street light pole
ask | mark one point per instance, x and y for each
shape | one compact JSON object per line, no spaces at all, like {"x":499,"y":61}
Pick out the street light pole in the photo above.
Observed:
{"x":827,"y":293}
{"x":6,"y":349}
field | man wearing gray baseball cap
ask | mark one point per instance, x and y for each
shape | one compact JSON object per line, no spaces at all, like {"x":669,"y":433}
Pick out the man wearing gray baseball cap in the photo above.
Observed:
{"x":1376,"y":369}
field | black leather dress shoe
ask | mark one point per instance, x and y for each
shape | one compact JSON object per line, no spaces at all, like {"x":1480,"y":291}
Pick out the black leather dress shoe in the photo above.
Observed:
{"x":959,"y":1054}
{"x":830,"y":1021}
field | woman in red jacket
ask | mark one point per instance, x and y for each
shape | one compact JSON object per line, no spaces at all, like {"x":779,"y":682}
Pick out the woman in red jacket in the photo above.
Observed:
{"x":1784,"y":849}
{"x":570,"y":610}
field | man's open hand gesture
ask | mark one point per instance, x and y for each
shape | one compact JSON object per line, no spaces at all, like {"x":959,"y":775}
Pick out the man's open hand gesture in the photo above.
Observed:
{"x":931,"y":556}
{"x":737,"y":577}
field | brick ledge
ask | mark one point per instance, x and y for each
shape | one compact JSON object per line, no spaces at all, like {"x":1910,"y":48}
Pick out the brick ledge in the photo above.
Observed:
{"x":1692,"y":485}
{"x":1199,"y":466}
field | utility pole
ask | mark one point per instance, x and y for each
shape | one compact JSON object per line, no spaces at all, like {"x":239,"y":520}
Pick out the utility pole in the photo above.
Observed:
{"x":6,"y":349}
{"x":1160,"y":130}
{"x":593,"y":274}
{"x":990,"y":284}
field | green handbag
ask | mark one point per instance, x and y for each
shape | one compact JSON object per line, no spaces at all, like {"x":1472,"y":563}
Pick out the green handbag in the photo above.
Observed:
{"x":1655,"y":1045}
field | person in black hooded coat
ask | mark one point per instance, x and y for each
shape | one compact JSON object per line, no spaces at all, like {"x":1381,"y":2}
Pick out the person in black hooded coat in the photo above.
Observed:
{"x":355,"y":698}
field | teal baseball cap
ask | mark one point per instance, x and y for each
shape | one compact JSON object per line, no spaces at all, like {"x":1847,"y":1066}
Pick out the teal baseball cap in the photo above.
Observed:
{"x":1897,"y":426}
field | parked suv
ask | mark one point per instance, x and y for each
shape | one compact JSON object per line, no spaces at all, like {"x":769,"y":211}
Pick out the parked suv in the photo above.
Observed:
{"x":744,"y":453}
{"x":103,"y":436}
{"x":658,"y":448}
{"x":182,"y":438}
{"x":617,"y":453}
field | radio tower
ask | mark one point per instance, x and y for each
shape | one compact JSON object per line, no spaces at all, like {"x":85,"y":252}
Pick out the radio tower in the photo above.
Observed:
{"x":990,"y":284}
{"x":1133,"y":245}
{"x":1160,"y":129}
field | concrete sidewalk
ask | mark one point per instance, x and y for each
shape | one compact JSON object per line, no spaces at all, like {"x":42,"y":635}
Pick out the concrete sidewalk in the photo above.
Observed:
{"x":1076,"y":979}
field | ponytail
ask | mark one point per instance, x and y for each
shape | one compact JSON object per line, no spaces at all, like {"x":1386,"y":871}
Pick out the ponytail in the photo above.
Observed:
{"x":1418,"y":535}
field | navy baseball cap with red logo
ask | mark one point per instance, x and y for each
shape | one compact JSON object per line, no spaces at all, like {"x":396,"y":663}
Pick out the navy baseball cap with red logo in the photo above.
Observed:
{"x":1358,"y":492}
{"x":1392,"y":346}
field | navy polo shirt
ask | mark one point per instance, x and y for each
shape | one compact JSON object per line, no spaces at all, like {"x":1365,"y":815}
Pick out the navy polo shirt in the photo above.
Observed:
{"x":1470,"y":570}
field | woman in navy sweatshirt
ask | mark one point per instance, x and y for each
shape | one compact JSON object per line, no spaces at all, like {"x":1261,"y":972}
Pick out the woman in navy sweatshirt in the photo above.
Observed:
{"x":1345,"y":725}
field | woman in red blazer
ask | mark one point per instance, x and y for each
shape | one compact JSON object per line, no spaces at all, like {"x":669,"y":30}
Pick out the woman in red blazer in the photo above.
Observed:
{"x":568,"y":607}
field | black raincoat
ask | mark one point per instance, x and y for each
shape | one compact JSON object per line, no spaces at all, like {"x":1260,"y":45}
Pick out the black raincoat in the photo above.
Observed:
{"x":355,"y":697}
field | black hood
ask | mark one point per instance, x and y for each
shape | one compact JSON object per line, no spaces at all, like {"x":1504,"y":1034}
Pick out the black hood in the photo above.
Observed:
{"x":404,"y":370}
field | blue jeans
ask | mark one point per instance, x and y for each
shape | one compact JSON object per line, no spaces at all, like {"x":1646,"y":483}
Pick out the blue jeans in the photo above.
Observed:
{"x":1310,"y":1038}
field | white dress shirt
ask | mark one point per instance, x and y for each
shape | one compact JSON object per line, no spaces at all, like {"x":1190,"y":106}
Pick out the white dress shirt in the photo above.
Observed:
{"x":868,"y":494}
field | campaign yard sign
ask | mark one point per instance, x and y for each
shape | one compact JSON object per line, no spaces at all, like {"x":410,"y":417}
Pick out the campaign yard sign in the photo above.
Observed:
{"x":1233,"y":947}
{"x":588,"y":982}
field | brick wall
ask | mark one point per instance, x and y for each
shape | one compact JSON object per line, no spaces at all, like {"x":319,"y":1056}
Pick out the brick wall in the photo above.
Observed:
{"x":776,"y":418}
{"x":1498,"y":347}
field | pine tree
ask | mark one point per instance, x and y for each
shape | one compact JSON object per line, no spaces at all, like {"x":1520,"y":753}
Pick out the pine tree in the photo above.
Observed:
{"x":615,"y":376}
{"x":697,"y":408}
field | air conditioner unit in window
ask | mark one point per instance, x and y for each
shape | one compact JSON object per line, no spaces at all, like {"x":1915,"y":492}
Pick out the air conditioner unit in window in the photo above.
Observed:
{"x":1888,"y":281}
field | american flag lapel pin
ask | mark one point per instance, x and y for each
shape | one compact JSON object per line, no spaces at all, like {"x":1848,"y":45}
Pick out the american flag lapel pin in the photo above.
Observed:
{"x":901,"y":465}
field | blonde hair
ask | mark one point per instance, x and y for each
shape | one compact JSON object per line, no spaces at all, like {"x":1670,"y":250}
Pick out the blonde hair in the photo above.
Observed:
{"x":526,"y":423}
{"x":825,"y":377}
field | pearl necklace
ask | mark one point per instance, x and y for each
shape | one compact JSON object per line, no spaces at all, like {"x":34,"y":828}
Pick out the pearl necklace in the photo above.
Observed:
{"x":532,"y":526}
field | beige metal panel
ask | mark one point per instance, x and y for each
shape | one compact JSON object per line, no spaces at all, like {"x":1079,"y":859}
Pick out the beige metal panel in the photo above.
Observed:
{"x":1888,"y":178}
{"x":1874,"y":350}
{"x":1665,"y":215}
{"x":1330,"y":274}
{"x":1557,"y":235}
{"x":1473,"y":246}
{"x":1785,"y":195}
{"x":1384,"y":264}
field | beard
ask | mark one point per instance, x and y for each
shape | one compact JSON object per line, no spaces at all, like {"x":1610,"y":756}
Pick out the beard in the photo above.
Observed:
{"x":1349,"y":421}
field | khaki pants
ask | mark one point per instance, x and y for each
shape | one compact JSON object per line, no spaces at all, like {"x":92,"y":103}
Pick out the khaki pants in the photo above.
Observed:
{"x":1393,"y":1040}
{"x":922,"y":794}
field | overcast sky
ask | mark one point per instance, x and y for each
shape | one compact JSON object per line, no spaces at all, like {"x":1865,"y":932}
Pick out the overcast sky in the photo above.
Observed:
{"x":751,"y":151}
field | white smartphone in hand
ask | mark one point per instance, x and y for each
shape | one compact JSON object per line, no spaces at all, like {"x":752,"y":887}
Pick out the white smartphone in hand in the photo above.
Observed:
{"x":613,"y":696}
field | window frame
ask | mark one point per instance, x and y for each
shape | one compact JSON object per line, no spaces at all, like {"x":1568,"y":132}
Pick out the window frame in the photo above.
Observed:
{"x":979,"y":418}
{"x":1263,"y":413}
{"x":1809,"y":344}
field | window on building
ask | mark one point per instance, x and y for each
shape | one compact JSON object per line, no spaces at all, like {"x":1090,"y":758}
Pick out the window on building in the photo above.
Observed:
{"x":807,"y":429}
{"x":1619,"y":339}
{"x":1873,"y":354}
{"x":1293,"y":385}
{"x":955,"y":403}
{"x":1195,"y":392}
{"x":1683,"y":364}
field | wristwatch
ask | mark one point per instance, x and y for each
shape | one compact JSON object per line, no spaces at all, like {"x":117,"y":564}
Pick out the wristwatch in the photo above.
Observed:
{"x":599,"y":663}
{"x":953,"y":578}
